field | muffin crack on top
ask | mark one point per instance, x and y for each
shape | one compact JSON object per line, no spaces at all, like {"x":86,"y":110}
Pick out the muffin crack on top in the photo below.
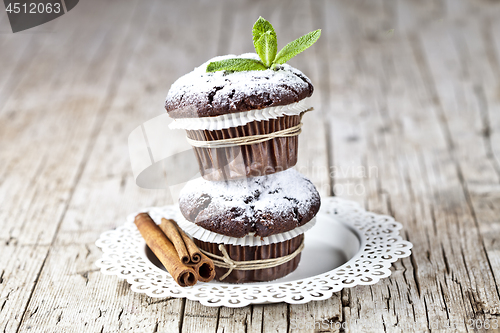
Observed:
{"x":202,"y":94}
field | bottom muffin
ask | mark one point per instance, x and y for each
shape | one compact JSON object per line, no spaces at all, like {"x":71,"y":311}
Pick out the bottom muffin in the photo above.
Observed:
{"x":244,"y":215}
{"x":249,"y":253}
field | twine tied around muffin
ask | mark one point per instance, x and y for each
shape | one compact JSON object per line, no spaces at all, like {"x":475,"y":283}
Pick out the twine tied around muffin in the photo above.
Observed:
{"x":225,"y":261}
{"x":249,"y":140}
{"x":246,"y":140}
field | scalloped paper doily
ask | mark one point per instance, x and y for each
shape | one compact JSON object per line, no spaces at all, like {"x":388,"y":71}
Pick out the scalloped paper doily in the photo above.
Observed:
{"x":348,"y":247}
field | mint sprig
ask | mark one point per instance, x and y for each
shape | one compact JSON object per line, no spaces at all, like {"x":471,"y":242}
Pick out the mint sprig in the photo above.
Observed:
{"x":266,"y":48}
{"x":235,"y":65}
{"x":297,"y":46}
{"x":260,"y":27}
{"x":266,"y":45}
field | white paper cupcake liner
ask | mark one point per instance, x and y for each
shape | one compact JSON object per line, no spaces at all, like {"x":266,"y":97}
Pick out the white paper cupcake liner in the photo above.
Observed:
{"x":205,"y":235}
{"x":240,"y":118}
{"x":250,"y":240}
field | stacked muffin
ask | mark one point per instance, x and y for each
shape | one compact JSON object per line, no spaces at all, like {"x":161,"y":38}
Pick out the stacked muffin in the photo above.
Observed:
{"x":272,"y":211}
{"x":249,"y":212}
{"x":217,"y":106}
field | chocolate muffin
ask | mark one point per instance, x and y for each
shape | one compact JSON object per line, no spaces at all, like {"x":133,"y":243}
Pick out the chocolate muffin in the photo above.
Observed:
{"x":267,"y":207}
{"x":219,"y":105}
{"x":264,"y":206}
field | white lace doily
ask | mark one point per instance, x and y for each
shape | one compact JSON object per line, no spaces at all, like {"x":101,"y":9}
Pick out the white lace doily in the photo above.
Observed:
{"x":369,"y":242}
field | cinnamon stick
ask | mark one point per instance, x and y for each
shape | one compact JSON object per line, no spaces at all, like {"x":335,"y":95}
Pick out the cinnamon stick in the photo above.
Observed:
{"x":204,"y":269}
{"x":181,"y":241}
{"x":203,"y":265}
{"x":165,"y":251}
{"x":175,"y":237}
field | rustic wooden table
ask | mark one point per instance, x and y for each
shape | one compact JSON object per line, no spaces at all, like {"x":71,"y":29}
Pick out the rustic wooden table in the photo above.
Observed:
{"x":407,"y":123}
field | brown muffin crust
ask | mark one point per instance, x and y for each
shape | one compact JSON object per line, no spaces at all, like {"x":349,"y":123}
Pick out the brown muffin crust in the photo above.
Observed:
{"x":201,"y":94}
{"x":265,"y":205}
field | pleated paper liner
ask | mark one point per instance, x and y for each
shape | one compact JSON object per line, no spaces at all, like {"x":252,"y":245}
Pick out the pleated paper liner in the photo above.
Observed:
{"x":259,"y":159}
{"x":247,"y":253}
{"x":205,"y":235}
{"x":240,"y":118}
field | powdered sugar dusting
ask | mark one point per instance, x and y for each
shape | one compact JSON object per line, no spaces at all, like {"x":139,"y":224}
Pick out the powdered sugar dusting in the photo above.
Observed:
{"x":258,"y":200}
{"x":219,"y":85}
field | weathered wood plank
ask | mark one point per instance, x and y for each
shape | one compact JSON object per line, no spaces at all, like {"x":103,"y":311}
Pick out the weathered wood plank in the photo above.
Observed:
{"x":19,"y":273}
{"x":468,"y":151}
{"x":473,"y":77}
{"x":44,"y":156}
{"x":391,"y":136}
{"x":198,"y":318}
{"x":485,"y":197}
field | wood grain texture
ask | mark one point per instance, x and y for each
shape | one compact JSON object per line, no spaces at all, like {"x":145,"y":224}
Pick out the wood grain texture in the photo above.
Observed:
{"x":406,"y":122}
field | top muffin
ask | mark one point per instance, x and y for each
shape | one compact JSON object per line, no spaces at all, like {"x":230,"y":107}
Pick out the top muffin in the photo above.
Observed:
{"x":202,"y":94}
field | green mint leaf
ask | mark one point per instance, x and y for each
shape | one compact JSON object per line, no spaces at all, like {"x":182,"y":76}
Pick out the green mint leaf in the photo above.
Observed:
{"x":293,"y":48}
{"x":260,"y":27}
{"x":236,"y":65}
{"x":266,"y":47}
